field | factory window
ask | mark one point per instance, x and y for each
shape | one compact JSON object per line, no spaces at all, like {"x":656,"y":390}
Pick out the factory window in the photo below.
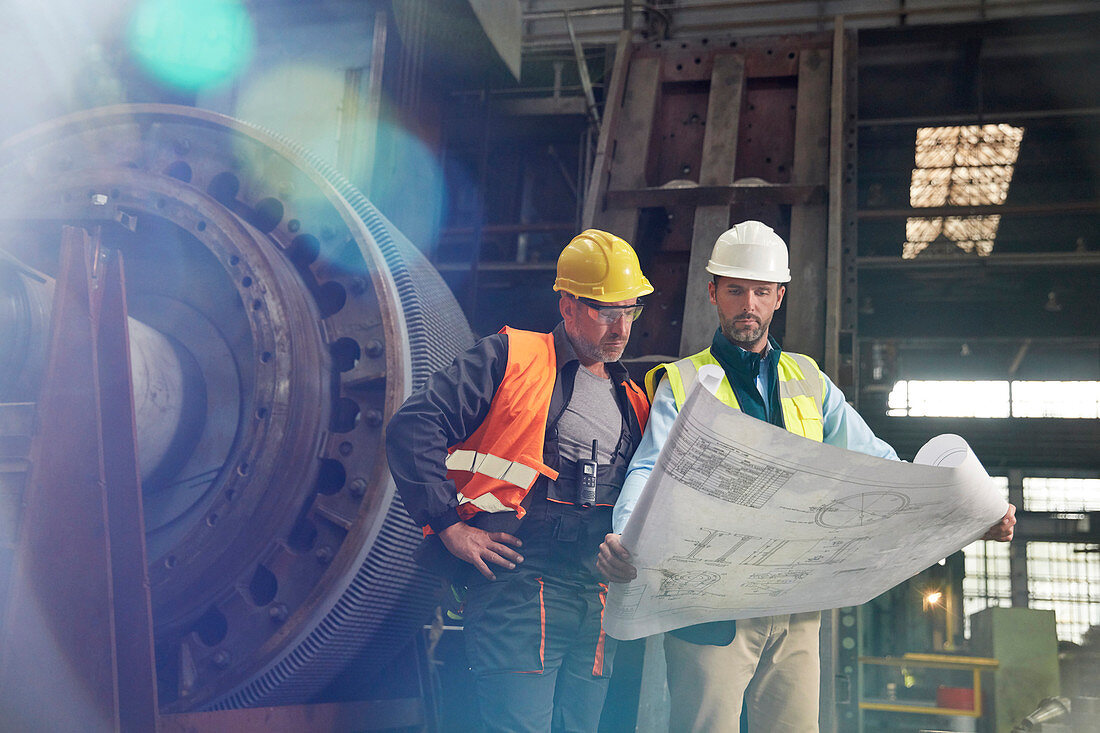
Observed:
{"x":967,"y":165}
{"x":1065,"y":577}
{"x":1062,"y":576}
{"x":999,"y":398}
{"x":986,"y":580}
{"x":1056,"y":399}
{"x":949,"y":399}
{"x":1062,"y":494}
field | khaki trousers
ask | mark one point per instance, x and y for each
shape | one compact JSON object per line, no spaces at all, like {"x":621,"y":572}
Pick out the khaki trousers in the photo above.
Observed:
{"x":772,"y":664}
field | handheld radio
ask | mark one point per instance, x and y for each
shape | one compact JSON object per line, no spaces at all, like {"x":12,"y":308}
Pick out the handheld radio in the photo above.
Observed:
{"x":586,"y":479}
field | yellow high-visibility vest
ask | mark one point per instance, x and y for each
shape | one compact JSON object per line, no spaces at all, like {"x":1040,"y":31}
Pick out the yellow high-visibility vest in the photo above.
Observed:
{"x":801,"y":388}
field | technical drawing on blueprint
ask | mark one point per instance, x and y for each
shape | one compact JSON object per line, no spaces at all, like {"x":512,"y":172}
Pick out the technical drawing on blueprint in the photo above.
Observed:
{"x":740,"y":519}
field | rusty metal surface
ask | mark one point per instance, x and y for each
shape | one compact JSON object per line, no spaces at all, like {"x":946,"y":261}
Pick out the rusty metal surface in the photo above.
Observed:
{"x":809,"y":222}
{"x":56,"y":674}
{"x":277,"y":548}
{"x":727,"y":195}
{"x":602,"y":160}
{"x":665,"y":137}
{"x":86,"y":418}
{"x":130,"y":606}
{"x":630,"y":148}
{"x":719,"y":161}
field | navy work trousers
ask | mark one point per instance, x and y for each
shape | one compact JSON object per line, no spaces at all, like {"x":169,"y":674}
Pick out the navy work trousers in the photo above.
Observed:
{"x":535,"y":642}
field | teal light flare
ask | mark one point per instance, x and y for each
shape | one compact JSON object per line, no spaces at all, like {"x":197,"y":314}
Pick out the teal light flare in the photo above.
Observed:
{"x":191,"y":44}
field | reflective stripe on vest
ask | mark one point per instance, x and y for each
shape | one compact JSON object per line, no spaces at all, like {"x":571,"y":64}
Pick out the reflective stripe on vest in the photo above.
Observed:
{"x":801,"y":388}
{"x":501,"y":469}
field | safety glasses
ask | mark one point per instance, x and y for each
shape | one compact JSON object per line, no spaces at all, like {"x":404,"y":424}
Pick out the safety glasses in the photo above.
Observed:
{"x":608,"y":314}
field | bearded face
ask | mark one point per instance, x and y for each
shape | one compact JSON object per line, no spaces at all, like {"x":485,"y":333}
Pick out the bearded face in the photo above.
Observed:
{"x":595,"y":340}
{"x":745,"y":309}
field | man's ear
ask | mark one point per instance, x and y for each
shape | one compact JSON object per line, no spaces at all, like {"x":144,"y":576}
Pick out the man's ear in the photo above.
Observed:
{"x":713,"y":291}
{"x":565,"y":306}
{"x":782,"y":291}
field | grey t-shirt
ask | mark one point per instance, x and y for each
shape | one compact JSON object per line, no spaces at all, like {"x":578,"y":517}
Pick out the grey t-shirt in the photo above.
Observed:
{"x":592,"y":414}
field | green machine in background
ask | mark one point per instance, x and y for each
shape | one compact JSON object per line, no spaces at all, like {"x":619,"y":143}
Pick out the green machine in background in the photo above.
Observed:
{"x":1025,"y":643}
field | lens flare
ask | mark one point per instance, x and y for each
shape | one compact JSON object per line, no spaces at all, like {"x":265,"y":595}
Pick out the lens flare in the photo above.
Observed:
{"x":191,"y":44}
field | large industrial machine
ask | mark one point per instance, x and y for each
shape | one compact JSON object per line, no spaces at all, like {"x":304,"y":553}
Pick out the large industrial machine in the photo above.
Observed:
{"x":276,"y":321}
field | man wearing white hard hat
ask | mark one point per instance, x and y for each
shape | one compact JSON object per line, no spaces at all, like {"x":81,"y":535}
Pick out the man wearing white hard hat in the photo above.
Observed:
{"x":769,"y":666}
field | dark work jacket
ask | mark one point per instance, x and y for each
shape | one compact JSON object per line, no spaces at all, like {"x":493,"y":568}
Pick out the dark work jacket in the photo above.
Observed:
{"x":452,"y":404}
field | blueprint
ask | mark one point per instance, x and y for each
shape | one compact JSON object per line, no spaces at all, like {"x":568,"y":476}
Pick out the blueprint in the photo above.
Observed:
{"x":741,"y":519}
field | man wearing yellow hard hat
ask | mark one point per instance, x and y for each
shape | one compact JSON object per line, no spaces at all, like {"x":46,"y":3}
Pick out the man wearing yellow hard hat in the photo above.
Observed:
{"x":511,"y":459}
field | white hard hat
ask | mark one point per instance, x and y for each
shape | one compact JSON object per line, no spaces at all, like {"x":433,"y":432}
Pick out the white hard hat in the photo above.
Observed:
{"x":752,"y":251}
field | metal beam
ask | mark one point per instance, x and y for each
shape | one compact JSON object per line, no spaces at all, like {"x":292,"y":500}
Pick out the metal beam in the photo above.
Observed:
{"x":82,"y":500}
{"x":1019,"y":357}
{"x":837,"y":184}
{"x":601,"y":165}
{"x":1017,"y":551}
{"x":719,"y":161}
{"x":1062,"y":207}
{"x":1001,"y":443}
{"x":582,"y":70}
{"x":807,"y":300}
{"x":978,"y":118}
{"x":714,"y":195}
{"x":999,"y":260}
{"x":627,"y":146}
{"x":1075,"y":527}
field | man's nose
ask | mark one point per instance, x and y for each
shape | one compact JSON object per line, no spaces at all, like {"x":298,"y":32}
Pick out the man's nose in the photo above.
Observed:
{"x":622,"y":323}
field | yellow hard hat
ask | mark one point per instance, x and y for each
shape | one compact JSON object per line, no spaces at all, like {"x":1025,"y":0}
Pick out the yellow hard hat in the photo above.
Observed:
{"x":601,"y":266}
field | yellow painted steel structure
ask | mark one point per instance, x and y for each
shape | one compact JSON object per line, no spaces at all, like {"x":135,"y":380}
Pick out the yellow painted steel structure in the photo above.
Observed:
{"x":976,"y":665}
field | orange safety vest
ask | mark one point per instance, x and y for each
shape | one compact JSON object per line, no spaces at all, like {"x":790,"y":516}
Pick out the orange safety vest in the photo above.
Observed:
{"x":499,"y":463}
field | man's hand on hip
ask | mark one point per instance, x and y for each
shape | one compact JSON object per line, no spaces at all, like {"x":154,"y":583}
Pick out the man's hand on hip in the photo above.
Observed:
{"x":613,"y":560}
{"x":478,"y":547}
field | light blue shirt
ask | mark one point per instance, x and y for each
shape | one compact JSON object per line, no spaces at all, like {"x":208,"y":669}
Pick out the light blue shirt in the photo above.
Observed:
{"x":842,"y":426}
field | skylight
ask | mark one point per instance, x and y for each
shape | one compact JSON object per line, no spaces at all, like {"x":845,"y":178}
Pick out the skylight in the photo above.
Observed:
{"x":962,"y":165}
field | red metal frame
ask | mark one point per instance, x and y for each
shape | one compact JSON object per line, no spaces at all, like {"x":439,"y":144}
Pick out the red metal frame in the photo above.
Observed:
{"x":76,"y":647}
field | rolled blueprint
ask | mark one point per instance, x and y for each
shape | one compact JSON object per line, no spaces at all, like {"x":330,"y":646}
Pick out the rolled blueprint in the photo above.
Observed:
{"x":741,"y":519}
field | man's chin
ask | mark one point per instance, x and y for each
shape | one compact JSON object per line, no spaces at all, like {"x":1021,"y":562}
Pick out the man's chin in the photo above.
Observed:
{"x":745,"y":337}
{"x":612,"y":353}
